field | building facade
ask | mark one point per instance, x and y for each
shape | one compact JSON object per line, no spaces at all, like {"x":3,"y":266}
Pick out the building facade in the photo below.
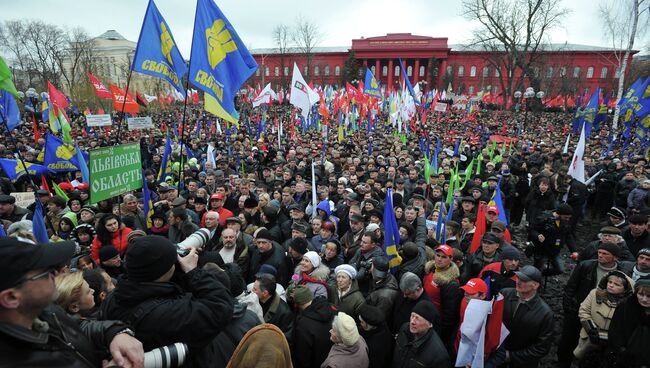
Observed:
{"x":431,"y":61}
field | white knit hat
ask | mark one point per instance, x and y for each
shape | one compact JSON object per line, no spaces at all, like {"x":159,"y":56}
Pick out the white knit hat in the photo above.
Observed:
{"x":313,"y":257}
{"x":347,"y":269}
{"x":346,"y":329}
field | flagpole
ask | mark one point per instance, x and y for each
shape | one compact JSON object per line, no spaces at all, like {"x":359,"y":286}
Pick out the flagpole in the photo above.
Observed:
{"x":126,"y":93}
{"x":20,"y":157}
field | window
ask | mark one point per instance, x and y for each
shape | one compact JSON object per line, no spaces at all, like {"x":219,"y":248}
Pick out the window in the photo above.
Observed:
{"x":486,"y":72}
{"x":276,"y":71}
{"x":586,"y":91}
{"x":495,"y":89}
{"x":563,"y":72}
{"x":397,"y":71}
{"x":327,"y":70}
{"x":286,"y":71}
{"x":305,"y":70}
{"x":549,"y":72}
{"x":450,"y":70}
{"x":497,"y":72}
{"x":422,"y":71}
{"x":384,"y":71}
{"x":337,"y":70}
{"x":590,"y":72}
{"x":536,"y":72}
{"x":472,"y":72}
{"x":603,"y":72}
{"x":266,"y":71}
{"x":576,"y":72}
{"x":316,"y":70}
{"x":372,"y":70}
{"x":617,"y":73}
{"x":461,"y":71}
{"x":471,"y":89}
{"x":257,"y":72}
{"x":409,"y":71}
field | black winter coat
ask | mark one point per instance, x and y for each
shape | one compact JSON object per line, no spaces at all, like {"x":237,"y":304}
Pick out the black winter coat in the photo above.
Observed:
{"x":383,"y":294}
{"x":226,"y":342}
{"x":275,"y":257}
{"x":170,"y":314}
{"x":531,"y":329}
{"x":311,"y":335}
{"x":66,"y":343}
{"x":547,"y":226}
{"x":591,"y":252}
{"x":536,"y":203}
{"x":380,"y":346}
{"x":426,"y":351}
{"x":635,"y":244}
{"x":629,"y":334}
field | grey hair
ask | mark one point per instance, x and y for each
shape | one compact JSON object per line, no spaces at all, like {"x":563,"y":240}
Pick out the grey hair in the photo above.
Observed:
{"x":409,"y":282}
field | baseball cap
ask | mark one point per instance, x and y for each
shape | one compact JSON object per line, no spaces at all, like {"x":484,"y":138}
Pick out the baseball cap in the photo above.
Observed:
{"x":474,"y":286}
{"x":529,"y":273}
{"x":19,"y":257}
{"x":447,"y":250}
{"x":494,"y":209}
{"x":216,"y":196}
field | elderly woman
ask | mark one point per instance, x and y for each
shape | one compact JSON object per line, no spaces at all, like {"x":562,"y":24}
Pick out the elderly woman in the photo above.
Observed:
{"x":313,"y":274}
{"x":596,"y":313}
{"x":346,"y":296}
{"x":349,"y":349}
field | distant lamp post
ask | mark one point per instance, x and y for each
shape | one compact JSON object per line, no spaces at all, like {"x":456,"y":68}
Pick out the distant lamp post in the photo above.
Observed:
{"x":528,"y":95}
{"x":517,"y":96}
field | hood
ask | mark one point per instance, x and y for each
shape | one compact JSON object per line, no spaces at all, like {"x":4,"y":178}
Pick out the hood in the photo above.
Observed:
{"x":319,"y":310}
{"x":629,"y":285}
{"x":325,"y":206}
{"x":72,"y":217}
{"x":129,"y":294}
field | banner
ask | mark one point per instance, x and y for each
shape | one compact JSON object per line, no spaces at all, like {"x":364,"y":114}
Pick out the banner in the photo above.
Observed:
{"x":440,"y":106}
{"x":99,"y":120}
{"x":157,"y":54}
{"x":114,"y":170}
{"x":302,"y":95}
{"x":118,"y":101}
{"x":14,"y":169}
{"x":143,"y":122}
{"x":23,"y":199}
{"x":100,"y":89}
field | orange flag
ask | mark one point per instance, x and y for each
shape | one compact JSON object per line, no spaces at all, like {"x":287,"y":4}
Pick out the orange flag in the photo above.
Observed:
{"x":119,"y":101}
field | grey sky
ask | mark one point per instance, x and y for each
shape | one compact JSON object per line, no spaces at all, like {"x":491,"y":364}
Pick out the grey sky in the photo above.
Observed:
{"x":339,"y":20}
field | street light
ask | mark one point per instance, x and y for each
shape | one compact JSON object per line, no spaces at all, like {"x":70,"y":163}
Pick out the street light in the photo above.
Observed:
{"x":530,"y":93}
{"x":517,"y":96}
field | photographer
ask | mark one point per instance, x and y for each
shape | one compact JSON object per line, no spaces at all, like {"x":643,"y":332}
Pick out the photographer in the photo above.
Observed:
{"x":362,"y":260}
{"x":550,"y":233}
{"x":162,"y":312}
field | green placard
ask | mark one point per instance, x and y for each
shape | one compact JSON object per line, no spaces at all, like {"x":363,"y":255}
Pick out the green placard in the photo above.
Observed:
{"x":114,"y":170}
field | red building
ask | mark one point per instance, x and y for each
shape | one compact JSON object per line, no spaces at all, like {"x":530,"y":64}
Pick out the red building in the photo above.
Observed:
{"x":559,"y":69}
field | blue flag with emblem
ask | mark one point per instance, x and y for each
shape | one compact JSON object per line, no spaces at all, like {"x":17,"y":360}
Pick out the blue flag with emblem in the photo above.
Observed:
{"x":590,"y":111}
{"x":391,"y":233}
{"x":157,"y":54}
{"x":408,"y":83}
{"x":165,"y":165}
{"x":220,"y":62}
{"x":498,"y":202}
{"x":38,"y":224}
{"x":61,"y":157}
{"x":148,"y":205}
{"x":9,"y":110}
{"x":371,"y":86}
{"x":14,"y":169}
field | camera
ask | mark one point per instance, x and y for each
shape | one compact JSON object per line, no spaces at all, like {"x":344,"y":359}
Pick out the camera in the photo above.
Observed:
{"x":169,"y":356}
{"x":196,"y":240}
{"x":528,"y":248}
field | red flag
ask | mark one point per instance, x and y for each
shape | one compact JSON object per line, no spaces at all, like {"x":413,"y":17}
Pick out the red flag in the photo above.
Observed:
{"x":56,"y":96}
{"x":100,"y":89}
{"x":37,"y":132}
{"x":119,"y":100}
{"x":100,"y":111}
{"x":141,"y":100}
{"x":195,"y":97}
{"x":480,"y":229}
{"x":45,"y":186}
{"x":493,"y":326}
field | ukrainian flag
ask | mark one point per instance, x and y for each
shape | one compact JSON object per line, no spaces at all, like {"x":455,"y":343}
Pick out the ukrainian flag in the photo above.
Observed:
{"x":148,"y":205}
{"x":391,"y":233}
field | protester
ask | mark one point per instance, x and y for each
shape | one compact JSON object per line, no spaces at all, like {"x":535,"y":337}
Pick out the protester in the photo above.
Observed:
{"x":349,"y":349}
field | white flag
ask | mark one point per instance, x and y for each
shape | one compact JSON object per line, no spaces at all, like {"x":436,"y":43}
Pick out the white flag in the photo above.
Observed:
{"x":566,"y":144}
{"x":577,"y":167}
{"x":150,"y":98}
{"x":302,"y":95}
{"x":265,"y":96}
{"x":314,"y":196}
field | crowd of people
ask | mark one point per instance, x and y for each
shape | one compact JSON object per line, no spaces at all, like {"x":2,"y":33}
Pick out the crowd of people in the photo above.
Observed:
{"x":240,"y":263}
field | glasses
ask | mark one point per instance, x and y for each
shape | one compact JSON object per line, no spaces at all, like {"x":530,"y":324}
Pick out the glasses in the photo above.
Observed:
{"x":37,"y":277}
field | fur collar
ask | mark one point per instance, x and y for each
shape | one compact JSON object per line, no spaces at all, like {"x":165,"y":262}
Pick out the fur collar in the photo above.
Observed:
{"x":442,"y":277}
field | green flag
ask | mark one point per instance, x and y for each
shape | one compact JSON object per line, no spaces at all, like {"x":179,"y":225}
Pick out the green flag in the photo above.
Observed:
{"x":6,"y":83}
{"x":427,"y":170}
{"x":480,"y":160}
{"x":60,"y":192}
{"x":468,"y":173}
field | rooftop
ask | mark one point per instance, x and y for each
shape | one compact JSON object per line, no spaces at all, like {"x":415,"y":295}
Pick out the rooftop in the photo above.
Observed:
{"x":111,"y":34}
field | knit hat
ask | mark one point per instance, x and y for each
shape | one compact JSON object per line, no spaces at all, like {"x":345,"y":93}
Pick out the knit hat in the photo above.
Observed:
{"x":149,"y":257}
{"x":346,"y":329}
{"x":347,"y":269}
{"x":409,"y":251}
{"x":644,"y":251}
{"x":638,"y":219}
{"x":642,"y":282}
{"x":313,"y":258}
{"x":616,"y":212}
{"x":426,"y":310}
{"x":250,"y":202}
{"x":264,"y":234}
{"x":371,"y":315}
{"x":134,"y":235}
{"x":267,"y":268}
{"x":612,"y":248}
{"x":302,"y":295}
{"x":107,"y":252}
{"x":299,"y":245}
{"x":379,"y":267}
{"x":564,"y":209}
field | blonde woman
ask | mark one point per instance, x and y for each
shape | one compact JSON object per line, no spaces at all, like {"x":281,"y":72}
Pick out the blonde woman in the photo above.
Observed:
{"x":74,"y":294}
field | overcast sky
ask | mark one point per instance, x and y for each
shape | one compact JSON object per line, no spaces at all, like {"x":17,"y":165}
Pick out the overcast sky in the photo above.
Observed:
{"x":340,"y":21}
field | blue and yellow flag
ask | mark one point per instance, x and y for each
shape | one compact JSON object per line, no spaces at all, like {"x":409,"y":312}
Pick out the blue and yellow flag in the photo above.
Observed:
{"x":391,"y":233}
{"x":408,"y":83}
{"x":496,"y":201}
{"x":165,"y":164}
{"x":157,"y":54}
{"x":220,"y":63}
{"x":148,"y":205}
{"x":38,"y":223}
{"x":590,"y":111}
{"x":61,"y":157}
{"x":9,"y":110}
{"x":14,"y":169}
{"x":371,"y":86}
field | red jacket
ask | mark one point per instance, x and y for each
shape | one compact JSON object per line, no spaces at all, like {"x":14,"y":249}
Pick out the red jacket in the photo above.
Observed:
{"x":118,"y":240}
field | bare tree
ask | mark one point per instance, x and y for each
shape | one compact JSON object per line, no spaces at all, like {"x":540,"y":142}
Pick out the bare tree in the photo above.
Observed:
{"x":76,"y":60}
{"x":623,"y":25}
{"x":306,"y":35}
{"x":514,"y":33}
{"x":282,"y":39}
